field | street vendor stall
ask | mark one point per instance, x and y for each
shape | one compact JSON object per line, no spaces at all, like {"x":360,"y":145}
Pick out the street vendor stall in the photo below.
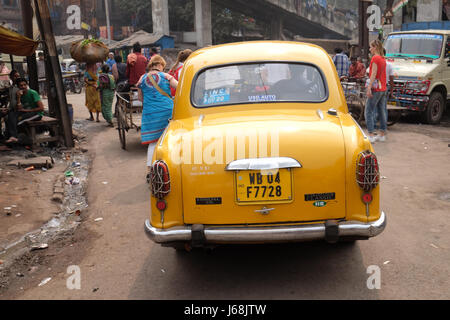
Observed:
{"x":13,"y":43}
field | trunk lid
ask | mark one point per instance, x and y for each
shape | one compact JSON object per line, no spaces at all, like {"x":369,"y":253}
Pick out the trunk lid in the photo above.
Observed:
{"x":213,"y":195}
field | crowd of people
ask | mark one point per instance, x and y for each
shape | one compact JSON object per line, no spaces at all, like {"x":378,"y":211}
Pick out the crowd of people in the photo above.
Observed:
{"x":155,"y":89}
{"x":379,"y":84}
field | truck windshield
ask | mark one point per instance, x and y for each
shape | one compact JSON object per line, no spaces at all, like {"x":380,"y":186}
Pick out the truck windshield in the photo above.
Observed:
{"x":414,"y":45}
{"x":258,"y":83}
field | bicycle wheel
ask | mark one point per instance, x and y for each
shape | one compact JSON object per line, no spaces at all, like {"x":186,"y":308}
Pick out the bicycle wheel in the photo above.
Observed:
{"x":121,"y":128}
{"x":355,"y":107}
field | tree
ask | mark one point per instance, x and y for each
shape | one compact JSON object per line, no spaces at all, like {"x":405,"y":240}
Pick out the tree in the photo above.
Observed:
{"x":138,"y":12}
{"x":181,"y":15}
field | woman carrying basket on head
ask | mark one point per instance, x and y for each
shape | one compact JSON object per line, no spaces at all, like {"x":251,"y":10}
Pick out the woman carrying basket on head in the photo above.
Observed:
{"x":93,"y":102}
{"x":154,"y":92}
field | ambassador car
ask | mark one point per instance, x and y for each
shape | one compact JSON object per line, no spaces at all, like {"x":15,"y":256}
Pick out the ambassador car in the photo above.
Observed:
{"x":262,"y":149}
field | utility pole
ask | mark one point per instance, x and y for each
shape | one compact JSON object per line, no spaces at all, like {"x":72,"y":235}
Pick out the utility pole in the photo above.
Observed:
{"x":46,"y":29}
{"x":27,"y":18}
{"x":108,"y":24}
{"x":363,"y":29}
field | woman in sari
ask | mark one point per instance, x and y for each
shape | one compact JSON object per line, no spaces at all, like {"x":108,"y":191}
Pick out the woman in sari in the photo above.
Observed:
{"x":107,"y":85}
{"x":154,"y":92}
{"x":92,"y":94}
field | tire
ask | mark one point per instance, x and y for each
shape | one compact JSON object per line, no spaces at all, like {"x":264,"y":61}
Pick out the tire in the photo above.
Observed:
{"x":355,"y":107}
{"x":435,"y":109}
{"x":121,"y":129}
{"x":393,"y":117}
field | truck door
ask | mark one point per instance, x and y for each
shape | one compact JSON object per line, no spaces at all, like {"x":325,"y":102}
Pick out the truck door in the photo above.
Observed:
{"x":446,"y":69}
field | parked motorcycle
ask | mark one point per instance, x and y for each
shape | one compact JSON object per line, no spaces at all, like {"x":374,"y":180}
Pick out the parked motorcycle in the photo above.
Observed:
{"x":73,"y":84}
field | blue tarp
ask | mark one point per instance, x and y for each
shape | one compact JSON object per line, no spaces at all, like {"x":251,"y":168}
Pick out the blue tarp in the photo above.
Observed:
{"x":439,"y":25}
{"x":322,"y":3}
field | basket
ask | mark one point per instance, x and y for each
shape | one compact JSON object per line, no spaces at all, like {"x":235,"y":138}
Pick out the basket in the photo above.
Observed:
{"x":89,"y":51}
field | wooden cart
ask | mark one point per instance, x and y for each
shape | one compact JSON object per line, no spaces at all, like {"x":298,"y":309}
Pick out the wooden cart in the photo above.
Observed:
{"x":129,"y":114}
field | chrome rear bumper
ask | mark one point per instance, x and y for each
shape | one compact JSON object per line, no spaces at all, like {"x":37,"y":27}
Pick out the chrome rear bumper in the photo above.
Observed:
{"x":234,"y":234}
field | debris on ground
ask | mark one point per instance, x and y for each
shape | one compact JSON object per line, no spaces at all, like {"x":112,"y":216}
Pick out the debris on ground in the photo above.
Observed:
{"x":36,"y":162}
{"x":45,"y":281}
{"x":39,"y":247}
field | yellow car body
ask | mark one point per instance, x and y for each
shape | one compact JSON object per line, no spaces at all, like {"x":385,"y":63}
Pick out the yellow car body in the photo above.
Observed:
{"x":220,"y":153}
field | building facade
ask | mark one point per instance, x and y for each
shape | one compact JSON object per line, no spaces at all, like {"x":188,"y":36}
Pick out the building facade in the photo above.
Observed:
{"x":10,"y":15}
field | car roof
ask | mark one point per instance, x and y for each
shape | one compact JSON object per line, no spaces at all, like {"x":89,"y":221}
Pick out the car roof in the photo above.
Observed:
{"x":255,"y":52}
{"x":258,"y":51}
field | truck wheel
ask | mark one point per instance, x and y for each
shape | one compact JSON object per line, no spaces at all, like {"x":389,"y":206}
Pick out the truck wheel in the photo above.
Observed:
{"x":435,"y":109}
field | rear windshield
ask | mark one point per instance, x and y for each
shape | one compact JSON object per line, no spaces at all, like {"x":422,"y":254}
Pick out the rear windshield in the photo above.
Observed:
{"x":258,"y":83}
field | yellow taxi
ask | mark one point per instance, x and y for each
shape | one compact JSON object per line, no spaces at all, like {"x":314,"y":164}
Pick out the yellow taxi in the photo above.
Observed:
{"x":262,"y":149}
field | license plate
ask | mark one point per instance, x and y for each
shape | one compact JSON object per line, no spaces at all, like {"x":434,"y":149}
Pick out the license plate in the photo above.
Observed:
{"x":263,"y":186}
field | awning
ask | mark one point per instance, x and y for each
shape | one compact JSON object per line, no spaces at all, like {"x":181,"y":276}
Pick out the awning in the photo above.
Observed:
{"x":144,"y":39}
{"x":14,"y":43}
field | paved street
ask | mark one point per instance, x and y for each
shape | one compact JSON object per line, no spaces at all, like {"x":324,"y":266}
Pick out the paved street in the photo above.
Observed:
{"x":117,"y":261}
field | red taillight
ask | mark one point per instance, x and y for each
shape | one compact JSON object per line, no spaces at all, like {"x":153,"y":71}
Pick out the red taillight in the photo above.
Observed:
{"x":161,"y":205}
{"x":367,"y":171}
{"x":159,"y":179}
{"x":367,"y":198}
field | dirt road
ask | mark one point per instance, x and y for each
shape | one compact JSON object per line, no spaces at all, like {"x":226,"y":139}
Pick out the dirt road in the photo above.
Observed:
{"x":117,"y":261}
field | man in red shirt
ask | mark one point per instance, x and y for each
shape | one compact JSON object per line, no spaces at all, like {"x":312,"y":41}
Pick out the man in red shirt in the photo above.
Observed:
{"x":136,"y":65}
{"x":357,"y":69}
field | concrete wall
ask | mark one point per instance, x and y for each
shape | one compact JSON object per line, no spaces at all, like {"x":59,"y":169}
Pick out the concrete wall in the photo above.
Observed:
{"x":203,"y":24}
{"x":11,"y":17}
{"x":160,"y":16}
{"x":429,"y":10}
{"x":336,"y":16}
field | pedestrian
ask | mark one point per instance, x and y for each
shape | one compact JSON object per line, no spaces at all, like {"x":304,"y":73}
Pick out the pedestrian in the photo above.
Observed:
{"x":29,"y":107}
{"x":341,"y":62}
{"x":154,"y":92}
{"x":136,"y":65}
{"x":357,"y":70}
{"x":12,"y":93}
{"x":175,"y":71}
{"x":92,"y":94}
{"x":12,"y":98}
{"x":119,"y":70}
{"x":111,"y":61}
{"x":153,"y":52}
{"x":390,"y":88}
{"x":41,"y":74}
{"x":376,"y":92}
{"x":4,"y":71}
{"x":106,"y":86}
